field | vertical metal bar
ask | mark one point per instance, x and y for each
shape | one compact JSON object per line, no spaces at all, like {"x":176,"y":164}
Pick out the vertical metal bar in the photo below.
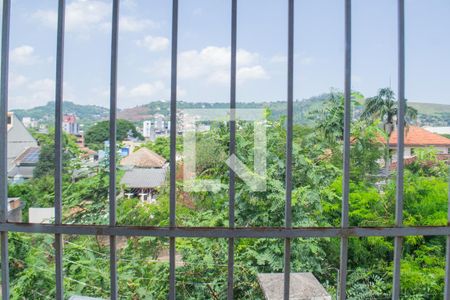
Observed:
{"x":4,"y":145}
{"x":231,"y":191}
{"x":447,"y":259}
{"x":346,"y":158}
{"x":59,"y":147}
{"x":112,"y":147}
{"x":173,"y":141}
{"x":400,"y":151}
{"x":289,"y":136}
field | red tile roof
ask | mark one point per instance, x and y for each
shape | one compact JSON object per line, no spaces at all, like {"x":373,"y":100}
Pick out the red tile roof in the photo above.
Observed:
{"x":417,"y":136}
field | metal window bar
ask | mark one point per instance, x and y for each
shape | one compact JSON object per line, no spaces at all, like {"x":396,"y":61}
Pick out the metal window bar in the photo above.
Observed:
{"x":346,"y":158}
{"x":112,"y":147}
{"x":173,"y":149}
{"x":59,"y":148}
{"x":401,"y":144}
{"x":287,"y":233}
{"x":3,"y":148}
{"x":289,"y":137}
{"x":231,"y":190}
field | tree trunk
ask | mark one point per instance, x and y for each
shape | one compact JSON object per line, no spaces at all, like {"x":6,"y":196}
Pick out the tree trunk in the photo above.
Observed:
{"x":387,"y":158}
{"x":388,"y":128}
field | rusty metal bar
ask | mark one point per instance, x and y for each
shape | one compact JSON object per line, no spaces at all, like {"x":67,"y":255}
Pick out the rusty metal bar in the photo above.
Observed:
{"x":225,"y":232}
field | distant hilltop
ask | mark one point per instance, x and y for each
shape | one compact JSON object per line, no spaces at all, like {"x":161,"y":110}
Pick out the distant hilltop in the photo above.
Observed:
{"x":86,"y":114}
{"x":429,"y":114}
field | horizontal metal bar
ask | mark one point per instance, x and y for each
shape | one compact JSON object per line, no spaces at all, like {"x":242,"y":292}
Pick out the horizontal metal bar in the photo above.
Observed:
{"x":224,"y":232}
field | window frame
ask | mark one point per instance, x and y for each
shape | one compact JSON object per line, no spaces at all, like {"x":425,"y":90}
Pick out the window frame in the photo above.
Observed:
{"x":288,"y":232}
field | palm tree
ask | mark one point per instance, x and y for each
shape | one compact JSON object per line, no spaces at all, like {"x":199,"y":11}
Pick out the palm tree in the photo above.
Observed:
{"x":384,"y":107}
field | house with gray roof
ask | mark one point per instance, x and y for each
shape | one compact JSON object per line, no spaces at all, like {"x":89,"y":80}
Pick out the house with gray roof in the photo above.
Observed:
{"x":145,"y":172}
{"x":23,"y":150}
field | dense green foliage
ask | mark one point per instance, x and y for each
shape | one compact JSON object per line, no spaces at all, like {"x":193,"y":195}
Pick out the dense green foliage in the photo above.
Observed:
{"x":97,"y":134}
{"x":202,"y":263}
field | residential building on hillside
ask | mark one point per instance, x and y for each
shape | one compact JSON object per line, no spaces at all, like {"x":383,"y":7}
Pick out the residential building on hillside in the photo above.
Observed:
{"x":70,"y":124}
{"x":417,"y":137}
{"x":159,"y":123}
{"x":158,"y":126}
{"x":20,"y":141}
{"x":148,"y":130}
{"x":29,"y":122}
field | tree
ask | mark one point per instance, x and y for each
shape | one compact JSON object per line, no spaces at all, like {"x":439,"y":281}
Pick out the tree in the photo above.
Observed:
{"x":330,"y":119}
{"x":161,"y":146}
{"x":384,"y":106}
{"x":46,"y":162}
{"x":97,"y":134}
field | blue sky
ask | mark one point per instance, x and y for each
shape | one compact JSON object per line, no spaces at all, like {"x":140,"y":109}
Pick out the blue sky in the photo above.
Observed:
{"x":204,"y":41}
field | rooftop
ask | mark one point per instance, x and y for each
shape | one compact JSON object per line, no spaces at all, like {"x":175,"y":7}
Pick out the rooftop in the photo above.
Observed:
{"x":143,"y":158}
{"x":144,"y":178}
{"x":417,"y":136}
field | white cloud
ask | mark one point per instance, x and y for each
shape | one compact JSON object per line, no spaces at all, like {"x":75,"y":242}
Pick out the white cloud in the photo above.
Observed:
{"x":213,"y":63}
{"x":86,"y":16}
{"x":26,"y":93}
{"x":147,"y":89}
{"x":24,"y":55}
{"x":139,"y":94}
{"x":17,"y":80}
{"x":251,"y":73}
{"x":81,"y":15}
{"x":43,"y":89}
{"x":154,"y":43}
{"x":131,"y":24}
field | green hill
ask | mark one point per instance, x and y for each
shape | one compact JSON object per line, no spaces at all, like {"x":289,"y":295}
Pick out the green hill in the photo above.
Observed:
{"x":86,"y":114}
{"x":278,"y":108}
{"x":429,"y":113}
